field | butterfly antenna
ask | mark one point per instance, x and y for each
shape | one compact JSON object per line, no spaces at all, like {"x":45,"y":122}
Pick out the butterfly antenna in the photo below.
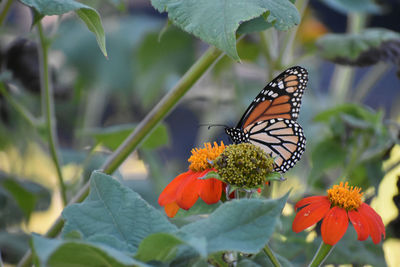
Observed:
{"x":213,"y":125}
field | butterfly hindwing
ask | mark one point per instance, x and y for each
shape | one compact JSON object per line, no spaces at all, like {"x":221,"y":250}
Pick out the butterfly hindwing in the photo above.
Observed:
{"x":281,"y":98}
{"x":282,"y":138}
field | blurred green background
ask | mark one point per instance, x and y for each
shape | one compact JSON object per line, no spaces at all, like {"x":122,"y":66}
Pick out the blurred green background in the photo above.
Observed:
{"x":349,"y":114}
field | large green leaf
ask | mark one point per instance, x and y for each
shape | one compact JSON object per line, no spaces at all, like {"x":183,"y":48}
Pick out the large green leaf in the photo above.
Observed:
{"x":216,"y":21}
{"x":239,"y":225}
{"x":363,"y":49}
{"x":88,"y":14}
{"x":115,"y":210}
{"x":113,"y":136}
{"x":53,"y":252}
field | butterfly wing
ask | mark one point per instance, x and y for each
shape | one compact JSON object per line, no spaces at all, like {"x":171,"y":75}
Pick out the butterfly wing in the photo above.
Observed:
{"x":281,"y":98}
{"x":282,"y":138}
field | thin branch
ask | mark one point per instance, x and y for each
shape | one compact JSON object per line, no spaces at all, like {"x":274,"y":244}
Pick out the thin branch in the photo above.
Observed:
{"x":271,"y":256}
{"x":48,"y":108}
{"x":5,"y":10}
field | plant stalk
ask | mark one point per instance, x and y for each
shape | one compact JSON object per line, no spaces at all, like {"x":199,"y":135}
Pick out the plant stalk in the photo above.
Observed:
{"x":5,"y":10}
{"x":48,"y":108}
{"x":271,"y":256}
{"x":161,"y":110}
{"x":141,"y":131}
{"x":323,"y":252}
{"x":343,"y":76}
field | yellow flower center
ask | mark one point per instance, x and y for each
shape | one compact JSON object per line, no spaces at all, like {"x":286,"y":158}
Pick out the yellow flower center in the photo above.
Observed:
{"x":345,"y":197}
{"x":200,"y":158}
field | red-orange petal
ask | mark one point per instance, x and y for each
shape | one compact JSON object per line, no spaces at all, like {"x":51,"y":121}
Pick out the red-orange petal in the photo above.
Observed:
{"x":309,"y":200}
{"x":310,"y":214}
{"x":360,"y":224}
{"x":168,"y":195}
{"x":171,"y":209}
{"x":210,"y":190}
{"x":376,"y":227}
{"x":187,"y":193}
{"x":334,"y":225}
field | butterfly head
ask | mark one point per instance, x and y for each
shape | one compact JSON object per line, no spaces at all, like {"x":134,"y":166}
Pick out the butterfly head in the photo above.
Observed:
{"x":237,"y":135}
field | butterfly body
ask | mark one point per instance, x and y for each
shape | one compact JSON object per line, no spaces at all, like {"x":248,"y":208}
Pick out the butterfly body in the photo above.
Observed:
{"x":270,"y":120}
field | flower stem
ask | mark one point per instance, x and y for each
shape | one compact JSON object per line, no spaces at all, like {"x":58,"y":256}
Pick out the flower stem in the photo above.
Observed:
{"x":141,"y":131}
{"x":323,"y":252}
{"x":48,"y":108}
{"x":271,"y":256}
{"x":5,"y":10}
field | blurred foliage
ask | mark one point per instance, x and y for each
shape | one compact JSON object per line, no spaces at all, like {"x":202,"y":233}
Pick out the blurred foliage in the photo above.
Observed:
{"x":359,"y":6}
{"x":358,"y":142}
{"x":363,"y":49}
{"x":113,"y":136}
{"x":99,"y":101}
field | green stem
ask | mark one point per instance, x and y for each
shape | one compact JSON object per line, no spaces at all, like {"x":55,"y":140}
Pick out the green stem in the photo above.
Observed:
{"x":48,"y":107}
{"x":286,"y":53}
{"x":161,"y":110}
{"x":5,"y":10}
{"x":141,"y":131}
{"x":18,"y":107}
{"x":343,"y":76}
{"x":271,"y":256}
{"x":323,"y":252}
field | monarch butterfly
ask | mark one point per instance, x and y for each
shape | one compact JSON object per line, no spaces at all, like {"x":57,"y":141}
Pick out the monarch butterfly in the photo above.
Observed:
{"x":270,"y":120}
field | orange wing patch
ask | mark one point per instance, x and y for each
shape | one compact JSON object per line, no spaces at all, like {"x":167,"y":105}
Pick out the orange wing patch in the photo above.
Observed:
{"x":269,"y":110}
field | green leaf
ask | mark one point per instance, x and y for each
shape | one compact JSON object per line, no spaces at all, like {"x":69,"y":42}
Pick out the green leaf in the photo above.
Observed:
{"x":199,"y":208}
{"x":255,"y":25}
{"x":253,"y":224}
{"x":113,"y":136}
{"x":115,"y":210}
{"x":216,"y":21}
{"x":247,"y":263}
{"x":53,"y":252}
{"x":159,"y":247}
{"x":363,"y":49}
{"x":354,"y":6}
{"x":88,"y":14}
{"x":354,"y":110}
{"x":93,"y":22}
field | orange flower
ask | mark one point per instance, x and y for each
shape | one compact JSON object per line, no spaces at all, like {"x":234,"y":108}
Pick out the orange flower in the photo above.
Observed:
{"x":186,"y":188}
{"x":342,"y":204}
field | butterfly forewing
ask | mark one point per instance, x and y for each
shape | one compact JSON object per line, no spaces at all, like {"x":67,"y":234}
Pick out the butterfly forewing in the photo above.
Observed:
{"x":281,"y":98}
{"x":282,"y":138}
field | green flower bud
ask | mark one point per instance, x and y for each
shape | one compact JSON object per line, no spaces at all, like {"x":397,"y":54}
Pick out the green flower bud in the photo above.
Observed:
{"x":244,"y":165}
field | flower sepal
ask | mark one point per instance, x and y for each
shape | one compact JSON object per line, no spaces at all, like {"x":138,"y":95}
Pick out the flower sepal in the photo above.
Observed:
{"x":211,"y":174}
{"x":246,"y":189}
